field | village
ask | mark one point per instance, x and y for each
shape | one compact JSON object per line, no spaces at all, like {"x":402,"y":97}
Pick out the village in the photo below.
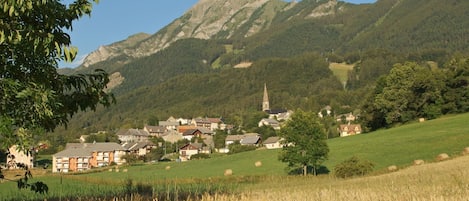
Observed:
{"x":189,"y":136}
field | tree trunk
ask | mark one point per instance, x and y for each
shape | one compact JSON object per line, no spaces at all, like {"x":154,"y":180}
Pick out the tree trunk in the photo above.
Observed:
{"x":305,"y":170}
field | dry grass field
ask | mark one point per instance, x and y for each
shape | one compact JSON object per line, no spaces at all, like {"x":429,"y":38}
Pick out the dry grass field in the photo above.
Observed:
{"x":448,"y":180}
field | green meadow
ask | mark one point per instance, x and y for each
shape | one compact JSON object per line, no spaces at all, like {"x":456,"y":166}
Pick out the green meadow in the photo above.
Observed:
{"x":340,"y":70}
{"x":398,"y":146}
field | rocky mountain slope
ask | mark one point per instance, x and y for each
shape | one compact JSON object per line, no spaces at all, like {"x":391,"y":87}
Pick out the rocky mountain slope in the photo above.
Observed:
{"x":209,"y":19}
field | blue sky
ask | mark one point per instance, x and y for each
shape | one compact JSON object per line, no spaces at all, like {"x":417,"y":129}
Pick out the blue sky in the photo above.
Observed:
{"x":115,"y":20}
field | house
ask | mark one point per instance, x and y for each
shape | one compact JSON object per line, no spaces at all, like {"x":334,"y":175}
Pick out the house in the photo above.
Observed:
{"x":169,"y":125}
{"x":188,"y":150}
{"x":172,"y":136}
{"x":246,"y":139}
{"x":349,"y":129}
{"x":251,"y":139}
{"x":139,"y":148}
{"x":209,"y":123}
{"x":230,"y":139}
{"x":269,"y":122}
{"x":326,"y":111}
{"x":133,"y":135}
{"x":273,"y":143}
{"x":349,"y":117}
{"x":17,"y":158}
{"x":189,"y":134}
{"x":84,"y":156}
{"x":155,"y":131}
{"x":184,"y":128}
{"x":274,"y":113}
{"x":183,"y":121}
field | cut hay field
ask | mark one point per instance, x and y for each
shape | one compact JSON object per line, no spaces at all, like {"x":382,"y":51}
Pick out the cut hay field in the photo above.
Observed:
{"x":340,"y":70}
{"x":442,"y":181}
{"x":398,"y":146}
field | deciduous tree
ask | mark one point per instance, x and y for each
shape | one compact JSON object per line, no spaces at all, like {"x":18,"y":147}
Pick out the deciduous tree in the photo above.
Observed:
{"x":305,"y":141}
{"x":33,"y":95}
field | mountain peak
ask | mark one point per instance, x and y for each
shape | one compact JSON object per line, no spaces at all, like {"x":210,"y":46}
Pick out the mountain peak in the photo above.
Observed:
{"x":206,"y":19}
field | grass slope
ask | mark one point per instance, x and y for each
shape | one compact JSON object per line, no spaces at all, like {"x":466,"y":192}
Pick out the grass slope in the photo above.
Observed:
{"x":397,"y":146}
{"x":400,"y":146}
{"x":340,"y":70}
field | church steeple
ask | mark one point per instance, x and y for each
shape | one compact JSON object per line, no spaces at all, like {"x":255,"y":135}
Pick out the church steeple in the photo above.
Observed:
{"x":265,"y":100}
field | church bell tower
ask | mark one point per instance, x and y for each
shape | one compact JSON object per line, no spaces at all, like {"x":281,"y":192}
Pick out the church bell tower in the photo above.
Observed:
{"x":265,"y":100}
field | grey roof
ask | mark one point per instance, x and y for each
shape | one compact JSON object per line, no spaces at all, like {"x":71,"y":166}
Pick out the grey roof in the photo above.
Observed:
{"x":136,"y":145}
{"x":251,"y":139}
{"x":271,"y":140}
{"x":205,"y":130}
{"x":74,"y":152}
{"x":85,"y":149}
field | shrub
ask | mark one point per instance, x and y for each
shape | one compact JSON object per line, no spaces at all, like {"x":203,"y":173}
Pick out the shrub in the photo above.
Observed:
{"x":238,"y":148}
{"x":200,"y":156}
{"x":353,"y":166}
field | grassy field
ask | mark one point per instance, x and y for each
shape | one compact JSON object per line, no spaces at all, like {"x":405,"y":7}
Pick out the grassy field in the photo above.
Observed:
{"x":340,"y":70}
{"x":397,"y":146}
{"x":442,"y":181}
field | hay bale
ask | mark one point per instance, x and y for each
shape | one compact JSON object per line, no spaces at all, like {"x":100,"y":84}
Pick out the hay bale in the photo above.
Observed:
{"x":167,"y":167}
{"x":124,"y":170}
{"x":392,"y":168}
{"x":110,"y":170}
{"x":465,"y":151}
{"x":117,"y":170}
{"x":421,"y":120}
{"x":258,"y":164}
{"x":419,"y":162}
{"x":442,"y":157}
{"x":228,"y":172}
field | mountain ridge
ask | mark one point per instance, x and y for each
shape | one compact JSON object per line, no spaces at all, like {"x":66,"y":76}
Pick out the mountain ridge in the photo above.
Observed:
{"x":182,"y":78}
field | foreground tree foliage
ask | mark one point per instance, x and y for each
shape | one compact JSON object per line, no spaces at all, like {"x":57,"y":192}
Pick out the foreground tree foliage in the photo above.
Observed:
{"x":305,"y":142}
{"x":33,"y":96}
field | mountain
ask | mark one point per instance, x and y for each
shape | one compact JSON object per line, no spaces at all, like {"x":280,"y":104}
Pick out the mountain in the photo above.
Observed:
{"x":187,"y":68}
{"x":207,"y":19}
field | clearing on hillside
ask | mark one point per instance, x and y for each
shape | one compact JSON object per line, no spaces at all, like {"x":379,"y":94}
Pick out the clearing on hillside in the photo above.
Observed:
{"x":341,"y":70}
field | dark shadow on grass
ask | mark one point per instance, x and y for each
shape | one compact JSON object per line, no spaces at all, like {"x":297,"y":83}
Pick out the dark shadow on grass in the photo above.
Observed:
{"x":44,"y":162}
{"x":299,"y":171}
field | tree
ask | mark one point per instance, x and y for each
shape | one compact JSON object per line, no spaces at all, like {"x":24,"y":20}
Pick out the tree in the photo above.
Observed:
{"x":34,"y":97}
{"x":306,"y":140}
{"x":410,"y":91}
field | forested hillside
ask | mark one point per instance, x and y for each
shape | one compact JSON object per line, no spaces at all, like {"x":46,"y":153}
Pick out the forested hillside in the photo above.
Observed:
{"x":291,"y":54}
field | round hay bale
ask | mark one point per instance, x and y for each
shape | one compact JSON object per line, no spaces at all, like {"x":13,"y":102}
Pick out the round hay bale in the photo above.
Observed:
{"x":228,"y":172}
{"x":419,"y":162}
{"x":124,"y":170}
{"x":117,"y":170}
{"x":442,"y":157}
{"x":392,"y":168}
{"x":110,"y":170}
{"x":258,"y":164}
{"x":465,"y":151}
{"x":167,"y":167}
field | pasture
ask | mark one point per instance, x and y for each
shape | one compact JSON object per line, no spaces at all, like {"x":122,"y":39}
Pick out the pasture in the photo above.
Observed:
{"x":204,"y":179}
{"x":340,"y":70}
